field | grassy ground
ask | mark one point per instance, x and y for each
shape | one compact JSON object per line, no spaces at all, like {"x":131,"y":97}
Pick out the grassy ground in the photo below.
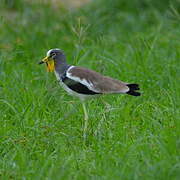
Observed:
{"x":128,"y":137}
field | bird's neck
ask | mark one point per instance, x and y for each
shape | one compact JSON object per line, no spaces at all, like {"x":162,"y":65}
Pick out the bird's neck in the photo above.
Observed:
{"x":61,"y":67}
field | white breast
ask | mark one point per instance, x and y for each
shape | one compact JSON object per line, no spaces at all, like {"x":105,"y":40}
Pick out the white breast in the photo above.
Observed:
{"x":69,"y":91}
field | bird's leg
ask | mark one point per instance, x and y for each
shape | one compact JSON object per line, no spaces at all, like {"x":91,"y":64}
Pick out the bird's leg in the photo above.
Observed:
{"x":85,"y":119}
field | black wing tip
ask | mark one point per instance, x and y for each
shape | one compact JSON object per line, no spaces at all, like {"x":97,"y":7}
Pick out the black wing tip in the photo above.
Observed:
{"x":132,"y":89}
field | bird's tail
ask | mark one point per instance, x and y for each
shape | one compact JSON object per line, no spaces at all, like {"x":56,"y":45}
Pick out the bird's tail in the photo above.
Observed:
{"x":132,"y":89}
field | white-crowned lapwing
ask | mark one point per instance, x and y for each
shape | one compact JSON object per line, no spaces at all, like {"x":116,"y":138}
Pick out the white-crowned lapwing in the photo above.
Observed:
{"x":84,"y":83}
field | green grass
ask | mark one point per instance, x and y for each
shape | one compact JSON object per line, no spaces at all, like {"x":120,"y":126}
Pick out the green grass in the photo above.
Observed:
{"x":128,"y":137}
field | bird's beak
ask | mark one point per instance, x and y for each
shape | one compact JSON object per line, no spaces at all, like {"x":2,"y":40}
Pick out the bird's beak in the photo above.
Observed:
{"x":44,"y":60}
{"x":49,"y":63}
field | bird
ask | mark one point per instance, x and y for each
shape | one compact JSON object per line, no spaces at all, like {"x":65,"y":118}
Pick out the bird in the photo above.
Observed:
{"x":84,"y":83}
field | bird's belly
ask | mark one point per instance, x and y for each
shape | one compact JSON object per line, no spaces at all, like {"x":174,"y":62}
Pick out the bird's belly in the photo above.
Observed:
{"x":71,"y":92}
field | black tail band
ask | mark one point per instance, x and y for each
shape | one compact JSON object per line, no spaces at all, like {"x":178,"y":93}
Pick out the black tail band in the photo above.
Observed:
{"x":132,"y":89}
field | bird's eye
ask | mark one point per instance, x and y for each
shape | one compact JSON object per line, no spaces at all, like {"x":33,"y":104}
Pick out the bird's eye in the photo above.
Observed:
{"x":53,"y":54}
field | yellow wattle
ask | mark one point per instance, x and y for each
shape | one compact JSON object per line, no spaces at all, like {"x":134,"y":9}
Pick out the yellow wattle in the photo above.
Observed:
{"x":50,"y":66}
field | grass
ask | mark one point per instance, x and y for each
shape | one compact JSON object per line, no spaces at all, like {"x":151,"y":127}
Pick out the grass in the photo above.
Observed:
{"x":128,"y":137}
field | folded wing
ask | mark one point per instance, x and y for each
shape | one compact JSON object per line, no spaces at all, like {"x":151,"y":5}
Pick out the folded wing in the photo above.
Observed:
{"x":96,"y":82}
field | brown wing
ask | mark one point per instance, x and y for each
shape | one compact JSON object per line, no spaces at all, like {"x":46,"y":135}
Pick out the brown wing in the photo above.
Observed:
{"x":96,"y":82}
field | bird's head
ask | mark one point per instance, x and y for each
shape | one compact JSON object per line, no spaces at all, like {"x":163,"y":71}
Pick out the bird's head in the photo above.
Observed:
{"x":52,"y":56}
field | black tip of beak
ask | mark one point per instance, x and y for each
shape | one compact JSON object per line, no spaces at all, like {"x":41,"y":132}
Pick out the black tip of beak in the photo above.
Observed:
{"x":41,"y":62}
